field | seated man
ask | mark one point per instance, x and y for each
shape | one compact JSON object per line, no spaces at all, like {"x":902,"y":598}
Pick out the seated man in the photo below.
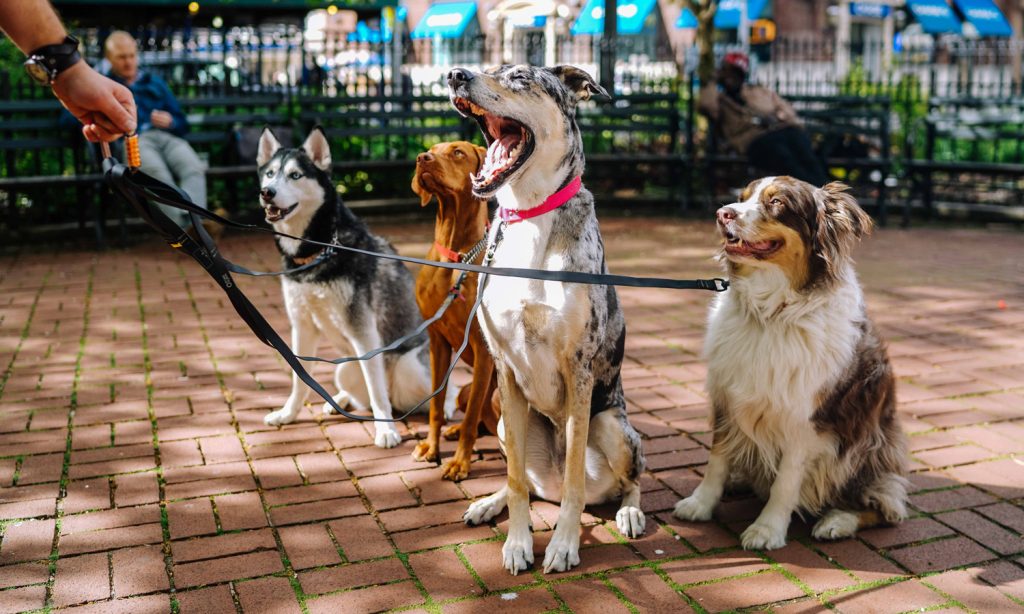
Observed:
{"x":161,"y":125}
{"x":757,"y":122}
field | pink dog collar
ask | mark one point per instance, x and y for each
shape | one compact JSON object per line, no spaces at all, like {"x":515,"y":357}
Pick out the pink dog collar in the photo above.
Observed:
{"x":556,"y":200}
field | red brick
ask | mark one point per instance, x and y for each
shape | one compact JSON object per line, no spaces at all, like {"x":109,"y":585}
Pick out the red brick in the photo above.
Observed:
{"x":111,"y":453}
{"x":242,"y":511}
{"x":956,"y":498}
{"x":486,"y":560}
{"x":1005,"y":477}
{"x":211,"y":600}
{"x":429,"y":515}
{"x":907,"y":532}
{"x":87,"y":437}
{"x":859,"y":560}
{"x":429,"y":485}
{"x":810,"y":568}
{"x":983,"y":531}
{"x":285,"y":434}
{"x":222,"y":449}
{"x":187,"y":518}
{"x":222,"y":545}
{"x":423,"y":539}
{"x":111,"y":467}
{"x":138,"y":571}
{"x":360,"y":538}
{"x":29,"y":540}
{"x":207,"y":487}
{"x":965,"y":588}
{"x":591,"y":597}
{"x":899,"y":597}
{"x":22,"y":599}
{"x":179,"y":454}
{"x":1005,"y":514}
{"x":227,"y":568}
{"x":309,"y":546}
{"x":958,"y":455}
{"x":690,"y":571}
{"x":268,"y":595}
{"x":41,"y":468}
{"x":325,"y":467}
{"x":80,"y":579}
{"x":177,"y":475}
{"x":132,"y":605}
{"x":443,"y":575}
{"x":744,"y":592}
{"x":26,"y":573}
{"x":7,"y":472}
{"x":656,"y":543}
{"x":352,"y":576}
{"x":27,"y":509}
{"x":648,"y":592}
{"x":133,"y":432}
{"x":536,"y":600}
{"x":136,"y":488}
{"x":317,"y":510}
{"x":189,"y":427}
{"x":945,"y":554}
{"x":85,"y":495}
{"x":277,"y":472}
{"x":109,"y":519}
{"x":108,"y":539}
{"x":387,"y":492}
{"x":703,"y":536}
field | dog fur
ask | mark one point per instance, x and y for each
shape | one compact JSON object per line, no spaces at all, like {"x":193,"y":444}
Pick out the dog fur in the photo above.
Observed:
{"x":558,"y":347}
{"x":443,"y":173}
{"x":802,"y":392}
{"x":355,"y":302}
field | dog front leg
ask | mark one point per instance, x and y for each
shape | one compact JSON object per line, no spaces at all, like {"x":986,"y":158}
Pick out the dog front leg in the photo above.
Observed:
{"x":517,"y":552}
{"x":374,"y":373}
{"x":440,"y":358}
{"x":303,"y":344}
{"x":769,"y":530}
{"x":700,"y":504}
{"x":479,"y":396}
{"x":563,"y":553}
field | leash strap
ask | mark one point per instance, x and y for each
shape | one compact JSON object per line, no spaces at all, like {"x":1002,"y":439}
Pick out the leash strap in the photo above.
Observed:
{"x":147,"y":187}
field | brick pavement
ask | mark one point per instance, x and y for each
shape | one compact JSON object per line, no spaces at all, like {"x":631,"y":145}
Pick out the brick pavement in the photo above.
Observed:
{"x":136,"y":474}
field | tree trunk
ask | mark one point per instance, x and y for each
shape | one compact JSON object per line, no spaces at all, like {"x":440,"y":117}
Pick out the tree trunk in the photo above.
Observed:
{"x":704,"y":11}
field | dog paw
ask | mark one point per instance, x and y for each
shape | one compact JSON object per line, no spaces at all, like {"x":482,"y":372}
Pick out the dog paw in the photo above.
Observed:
{"x":453,"y":432}
{"x":483,"y":510}
{"x":630,"y":521}
{"x":387,"y":436}
{"x":425,"y":451}
{"x":760,"y":536}
{"x":342,"y":399}
{"x":562,"y":554}
{"x":836,"y":524}
{"x":517,"y":554}
{"x":456,"y":470}
{"x":691,"y":508}
{"x":281,"y":416}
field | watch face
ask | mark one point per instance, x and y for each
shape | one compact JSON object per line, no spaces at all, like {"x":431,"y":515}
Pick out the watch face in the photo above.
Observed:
{"x":37,"y":72}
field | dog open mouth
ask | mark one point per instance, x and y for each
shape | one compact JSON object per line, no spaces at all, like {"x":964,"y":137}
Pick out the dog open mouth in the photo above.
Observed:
{"x":276,"y":214}
{"x":735,"y":246}
{"x":509,"y":145}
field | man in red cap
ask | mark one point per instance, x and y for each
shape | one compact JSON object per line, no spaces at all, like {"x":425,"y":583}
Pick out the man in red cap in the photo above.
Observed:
{"x":756,"y":122}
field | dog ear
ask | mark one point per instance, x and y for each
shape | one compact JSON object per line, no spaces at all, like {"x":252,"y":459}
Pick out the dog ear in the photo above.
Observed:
{"x":268,"y":146}
{"x":841,"y":222}
{"x":318,"y":149}
{"x":420,"y":191}
{"x":579,"y":82}
{"x":481,"y":155}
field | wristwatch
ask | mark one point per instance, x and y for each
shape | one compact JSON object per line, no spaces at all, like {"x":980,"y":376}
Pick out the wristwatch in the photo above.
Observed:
{"x":44,"y":64}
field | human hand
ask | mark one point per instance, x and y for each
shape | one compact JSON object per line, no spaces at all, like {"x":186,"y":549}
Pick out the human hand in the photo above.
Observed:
{"x":161,"y":119}
{"x":105,"y":107}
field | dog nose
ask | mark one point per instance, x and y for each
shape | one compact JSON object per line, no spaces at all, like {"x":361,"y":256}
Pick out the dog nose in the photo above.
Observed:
{"x":267,"y":194}
{"x":725,"y":214}
{"x":459,"y":75}
{"x":425,"y":157}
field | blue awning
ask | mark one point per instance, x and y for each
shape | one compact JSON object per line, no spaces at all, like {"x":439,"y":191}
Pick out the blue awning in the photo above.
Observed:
{"x":985,"y":16}
{"x":870,"y":10}
{"x":727,"y":17}
{"x":935,"y":16}
{"x":445,"y":20}
{"x":631,"y":17}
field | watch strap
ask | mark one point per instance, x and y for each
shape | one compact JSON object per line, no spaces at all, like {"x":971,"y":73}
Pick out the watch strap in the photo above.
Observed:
{"x":59,"y":56}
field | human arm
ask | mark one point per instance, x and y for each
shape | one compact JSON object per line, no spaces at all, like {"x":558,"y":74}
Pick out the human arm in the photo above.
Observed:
{"x":105,"y":108}
{"x":170,"y":118}
{"x":784,"y":111}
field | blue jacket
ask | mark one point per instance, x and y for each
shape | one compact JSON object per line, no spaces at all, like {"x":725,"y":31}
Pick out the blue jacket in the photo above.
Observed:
{"x":152,"y":94}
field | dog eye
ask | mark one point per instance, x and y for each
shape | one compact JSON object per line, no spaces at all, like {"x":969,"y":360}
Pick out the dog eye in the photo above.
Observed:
{"x":296,"y":175}
{"x":269,"y":173}
{"x":775,"y":202}
{"x":459,"y":154}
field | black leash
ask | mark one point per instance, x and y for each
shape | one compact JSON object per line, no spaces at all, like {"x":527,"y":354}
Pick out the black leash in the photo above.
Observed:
{"x":139,"y":188}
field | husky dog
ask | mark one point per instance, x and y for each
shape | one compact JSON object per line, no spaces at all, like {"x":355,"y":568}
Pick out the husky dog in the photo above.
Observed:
{"x":355,"y":302}
{"x":557,"y":347}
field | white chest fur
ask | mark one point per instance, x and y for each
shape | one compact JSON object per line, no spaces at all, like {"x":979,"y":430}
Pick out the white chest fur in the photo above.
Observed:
{"x":325,"y":304}
{"x":527,"y":322}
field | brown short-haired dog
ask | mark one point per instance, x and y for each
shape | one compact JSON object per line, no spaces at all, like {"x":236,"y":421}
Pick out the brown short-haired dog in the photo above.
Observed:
{"x":443,"y":172}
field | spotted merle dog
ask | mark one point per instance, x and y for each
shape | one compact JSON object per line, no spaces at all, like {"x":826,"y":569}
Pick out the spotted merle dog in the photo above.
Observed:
{"x":352,"y":301}
{"x":557,"y":347}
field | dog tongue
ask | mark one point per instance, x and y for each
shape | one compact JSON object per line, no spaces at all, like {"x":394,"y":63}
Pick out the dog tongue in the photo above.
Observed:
{"x":760,"y":245}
